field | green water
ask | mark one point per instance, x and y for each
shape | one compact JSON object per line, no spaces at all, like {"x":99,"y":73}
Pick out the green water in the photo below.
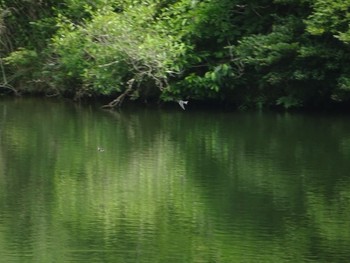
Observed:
{"x":171,"y":185}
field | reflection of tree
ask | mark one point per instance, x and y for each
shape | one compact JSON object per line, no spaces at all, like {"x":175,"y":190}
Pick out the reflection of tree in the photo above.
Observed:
{"x":266,"y":168}
{"x":212,"y":186}
{"x":3,"y":119}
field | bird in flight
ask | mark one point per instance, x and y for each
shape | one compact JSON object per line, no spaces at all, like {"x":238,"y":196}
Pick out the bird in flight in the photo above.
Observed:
{"x":182,"y":103}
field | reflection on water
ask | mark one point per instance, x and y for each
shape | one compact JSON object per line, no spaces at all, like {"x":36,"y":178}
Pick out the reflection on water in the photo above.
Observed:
{"x":171,"y":186}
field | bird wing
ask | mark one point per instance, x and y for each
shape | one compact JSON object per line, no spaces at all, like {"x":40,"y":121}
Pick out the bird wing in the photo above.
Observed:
{"x":182,"y":104}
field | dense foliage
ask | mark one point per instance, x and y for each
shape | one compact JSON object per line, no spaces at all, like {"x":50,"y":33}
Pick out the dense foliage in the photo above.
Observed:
{"x":287,"y":53}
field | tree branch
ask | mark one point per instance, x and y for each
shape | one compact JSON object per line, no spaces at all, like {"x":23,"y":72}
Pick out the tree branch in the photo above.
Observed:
{"x":119,"y":100}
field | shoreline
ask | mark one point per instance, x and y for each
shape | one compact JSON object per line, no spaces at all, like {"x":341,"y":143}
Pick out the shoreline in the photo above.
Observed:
{"x":201,"y":105}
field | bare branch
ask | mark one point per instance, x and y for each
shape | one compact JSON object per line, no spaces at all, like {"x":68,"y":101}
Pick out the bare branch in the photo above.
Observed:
{"x":119,"y":100}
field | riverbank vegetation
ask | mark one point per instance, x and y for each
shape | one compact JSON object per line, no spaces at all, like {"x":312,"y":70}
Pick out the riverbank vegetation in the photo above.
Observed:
{"x":249,"y":54}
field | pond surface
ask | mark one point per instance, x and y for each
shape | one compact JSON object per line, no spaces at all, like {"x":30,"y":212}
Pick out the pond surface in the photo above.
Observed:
{"x":171,"y":185}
